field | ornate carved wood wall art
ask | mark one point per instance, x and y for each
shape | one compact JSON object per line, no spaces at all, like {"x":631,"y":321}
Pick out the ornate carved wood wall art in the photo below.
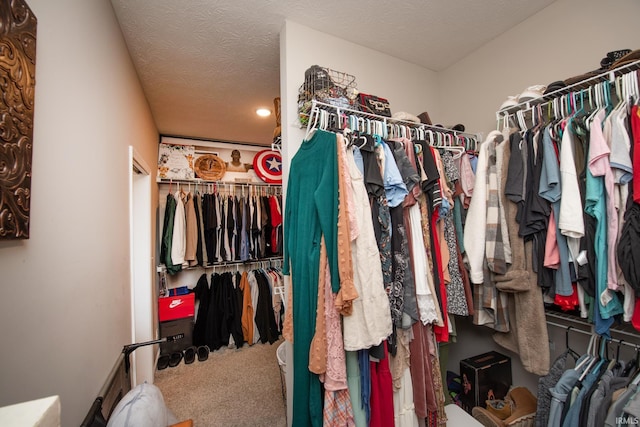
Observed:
{"x":17,"y":80}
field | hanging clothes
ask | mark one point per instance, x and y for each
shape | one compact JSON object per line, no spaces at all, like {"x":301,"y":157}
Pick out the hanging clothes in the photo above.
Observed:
{"x":191,"y":231}
{"x":237,"y":308}
{"x":392,"y":213}
{"x":370,"y":322}
{"x":313,"y":184}
{"x":167,"y":236}
{"x":178,"y":240}
{"x":202,"y":295}
{"x":201,"y":255}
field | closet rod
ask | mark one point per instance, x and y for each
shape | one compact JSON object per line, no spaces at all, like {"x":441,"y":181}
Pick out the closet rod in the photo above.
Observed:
{"x":579,"y":321}
{"x":276,"y":259}
{"x":558,"y":325}
{"x":389,"y":120}
{"x":270,"y":260}
{"x":215,"y":141}
{"x":583,"y":84}
{"x":218,"y":183}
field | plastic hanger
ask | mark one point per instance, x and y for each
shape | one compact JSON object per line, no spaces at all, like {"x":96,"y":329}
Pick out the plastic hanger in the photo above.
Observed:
{"x":598,"y":104}
{"x":571,"y":351}
{"x":313,"y":123}
{"x":578,"y":122}
{"x":607,"y":96}
{"x":353,"y":122}
{"x":430,"y":137}
{"x":616,"y":364}
{"x":636,"y":90}
{"x":363,"y":139}
{"x":636,"y":372}
{"x":588,"y":357}
{"x":347,"y":133}
{"x":378,"y":128}
{"x":632,"y":79}
{"x":451,"y":144}
{"x":596,"y":363}
{"x":522,"y":124}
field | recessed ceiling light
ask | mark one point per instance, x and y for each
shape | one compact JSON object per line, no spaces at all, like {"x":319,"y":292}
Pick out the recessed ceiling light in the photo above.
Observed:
{"x":263,"y":112}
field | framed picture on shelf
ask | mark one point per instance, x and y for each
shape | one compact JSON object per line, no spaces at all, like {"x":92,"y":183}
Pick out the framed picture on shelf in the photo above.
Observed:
{"x":176,"y":161}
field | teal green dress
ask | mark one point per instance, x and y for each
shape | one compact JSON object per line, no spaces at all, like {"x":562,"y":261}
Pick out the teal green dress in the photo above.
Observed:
{"x":311,"y":211}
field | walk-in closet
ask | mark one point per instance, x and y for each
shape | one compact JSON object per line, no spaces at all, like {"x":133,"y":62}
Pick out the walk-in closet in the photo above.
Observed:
{"x":304,"y":214}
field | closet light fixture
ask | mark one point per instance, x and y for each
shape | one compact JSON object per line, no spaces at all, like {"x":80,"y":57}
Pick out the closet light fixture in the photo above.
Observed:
{"x":263,"y":112}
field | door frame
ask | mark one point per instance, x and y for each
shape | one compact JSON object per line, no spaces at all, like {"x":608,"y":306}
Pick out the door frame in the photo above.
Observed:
{"x":141,"y":269}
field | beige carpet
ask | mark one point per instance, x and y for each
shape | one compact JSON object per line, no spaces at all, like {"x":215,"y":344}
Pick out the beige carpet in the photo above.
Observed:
{"x":234,"y":387}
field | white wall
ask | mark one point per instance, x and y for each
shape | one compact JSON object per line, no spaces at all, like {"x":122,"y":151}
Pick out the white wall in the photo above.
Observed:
{"x":566,"y":39}
{"x":65,"y":291}
{"x":408,"y":87}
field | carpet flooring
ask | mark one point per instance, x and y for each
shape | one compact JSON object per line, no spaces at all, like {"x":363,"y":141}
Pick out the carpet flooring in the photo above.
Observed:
{"x":232,"y":388}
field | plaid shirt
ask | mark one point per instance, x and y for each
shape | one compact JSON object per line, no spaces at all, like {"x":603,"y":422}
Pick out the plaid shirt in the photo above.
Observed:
{"x":494,"y":249}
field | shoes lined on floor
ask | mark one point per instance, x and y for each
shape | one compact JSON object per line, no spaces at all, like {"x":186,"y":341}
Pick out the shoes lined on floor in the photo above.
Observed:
{"x":189,"y":355}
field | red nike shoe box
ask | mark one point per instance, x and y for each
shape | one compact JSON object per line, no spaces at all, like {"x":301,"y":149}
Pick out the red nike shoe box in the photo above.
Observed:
{"x":178,"y":307}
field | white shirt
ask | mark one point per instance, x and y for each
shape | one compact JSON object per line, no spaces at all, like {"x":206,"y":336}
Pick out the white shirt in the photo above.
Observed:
{"x":570,"y":219}
{"x":179,"y":238}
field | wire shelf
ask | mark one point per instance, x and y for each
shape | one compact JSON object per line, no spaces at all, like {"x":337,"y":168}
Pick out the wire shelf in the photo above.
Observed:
{"x":619,"y":328}
{"x":326,"y":85}
{"x":574,"y":88}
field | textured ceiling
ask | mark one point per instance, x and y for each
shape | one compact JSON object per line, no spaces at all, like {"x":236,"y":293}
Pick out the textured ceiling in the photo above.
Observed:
{"x":206,"y":65}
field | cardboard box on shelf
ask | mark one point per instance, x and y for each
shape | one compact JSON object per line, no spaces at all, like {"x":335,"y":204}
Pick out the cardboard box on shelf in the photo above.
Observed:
{"x":180,"y":334}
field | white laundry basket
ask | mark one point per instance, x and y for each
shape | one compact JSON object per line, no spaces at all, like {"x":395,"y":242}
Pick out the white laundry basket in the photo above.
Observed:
{"x":281,"y":354}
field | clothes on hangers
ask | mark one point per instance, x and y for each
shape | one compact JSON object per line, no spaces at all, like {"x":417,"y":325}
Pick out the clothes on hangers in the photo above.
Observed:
{"x":567,"y":180}
{"x":214,"y":227}
{"x":396,"y":202}
{"x":311,"y":212}
{"x":167,"y":236}
{"x":596,"y":391}
{"x":235,"y":308}
{"x":178,"y":239}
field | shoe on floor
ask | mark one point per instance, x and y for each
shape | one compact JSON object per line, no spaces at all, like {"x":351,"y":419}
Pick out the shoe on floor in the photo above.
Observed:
{"x":520,"y":404}
{"x":189,"y":355}
{"x":203,"y":353}
{"x":175,"y":358}
{"x":163,"y":361}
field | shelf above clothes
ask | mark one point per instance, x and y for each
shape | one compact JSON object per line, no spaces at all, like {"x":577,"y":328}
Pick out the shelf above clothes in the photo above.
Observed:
{"x":324,"y":116}
{"x":621,"y":330}
{"x":275,"y":261}
{"x":575,"y":90}
{"x":219,"y":183}
{"x":228,"y":187}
